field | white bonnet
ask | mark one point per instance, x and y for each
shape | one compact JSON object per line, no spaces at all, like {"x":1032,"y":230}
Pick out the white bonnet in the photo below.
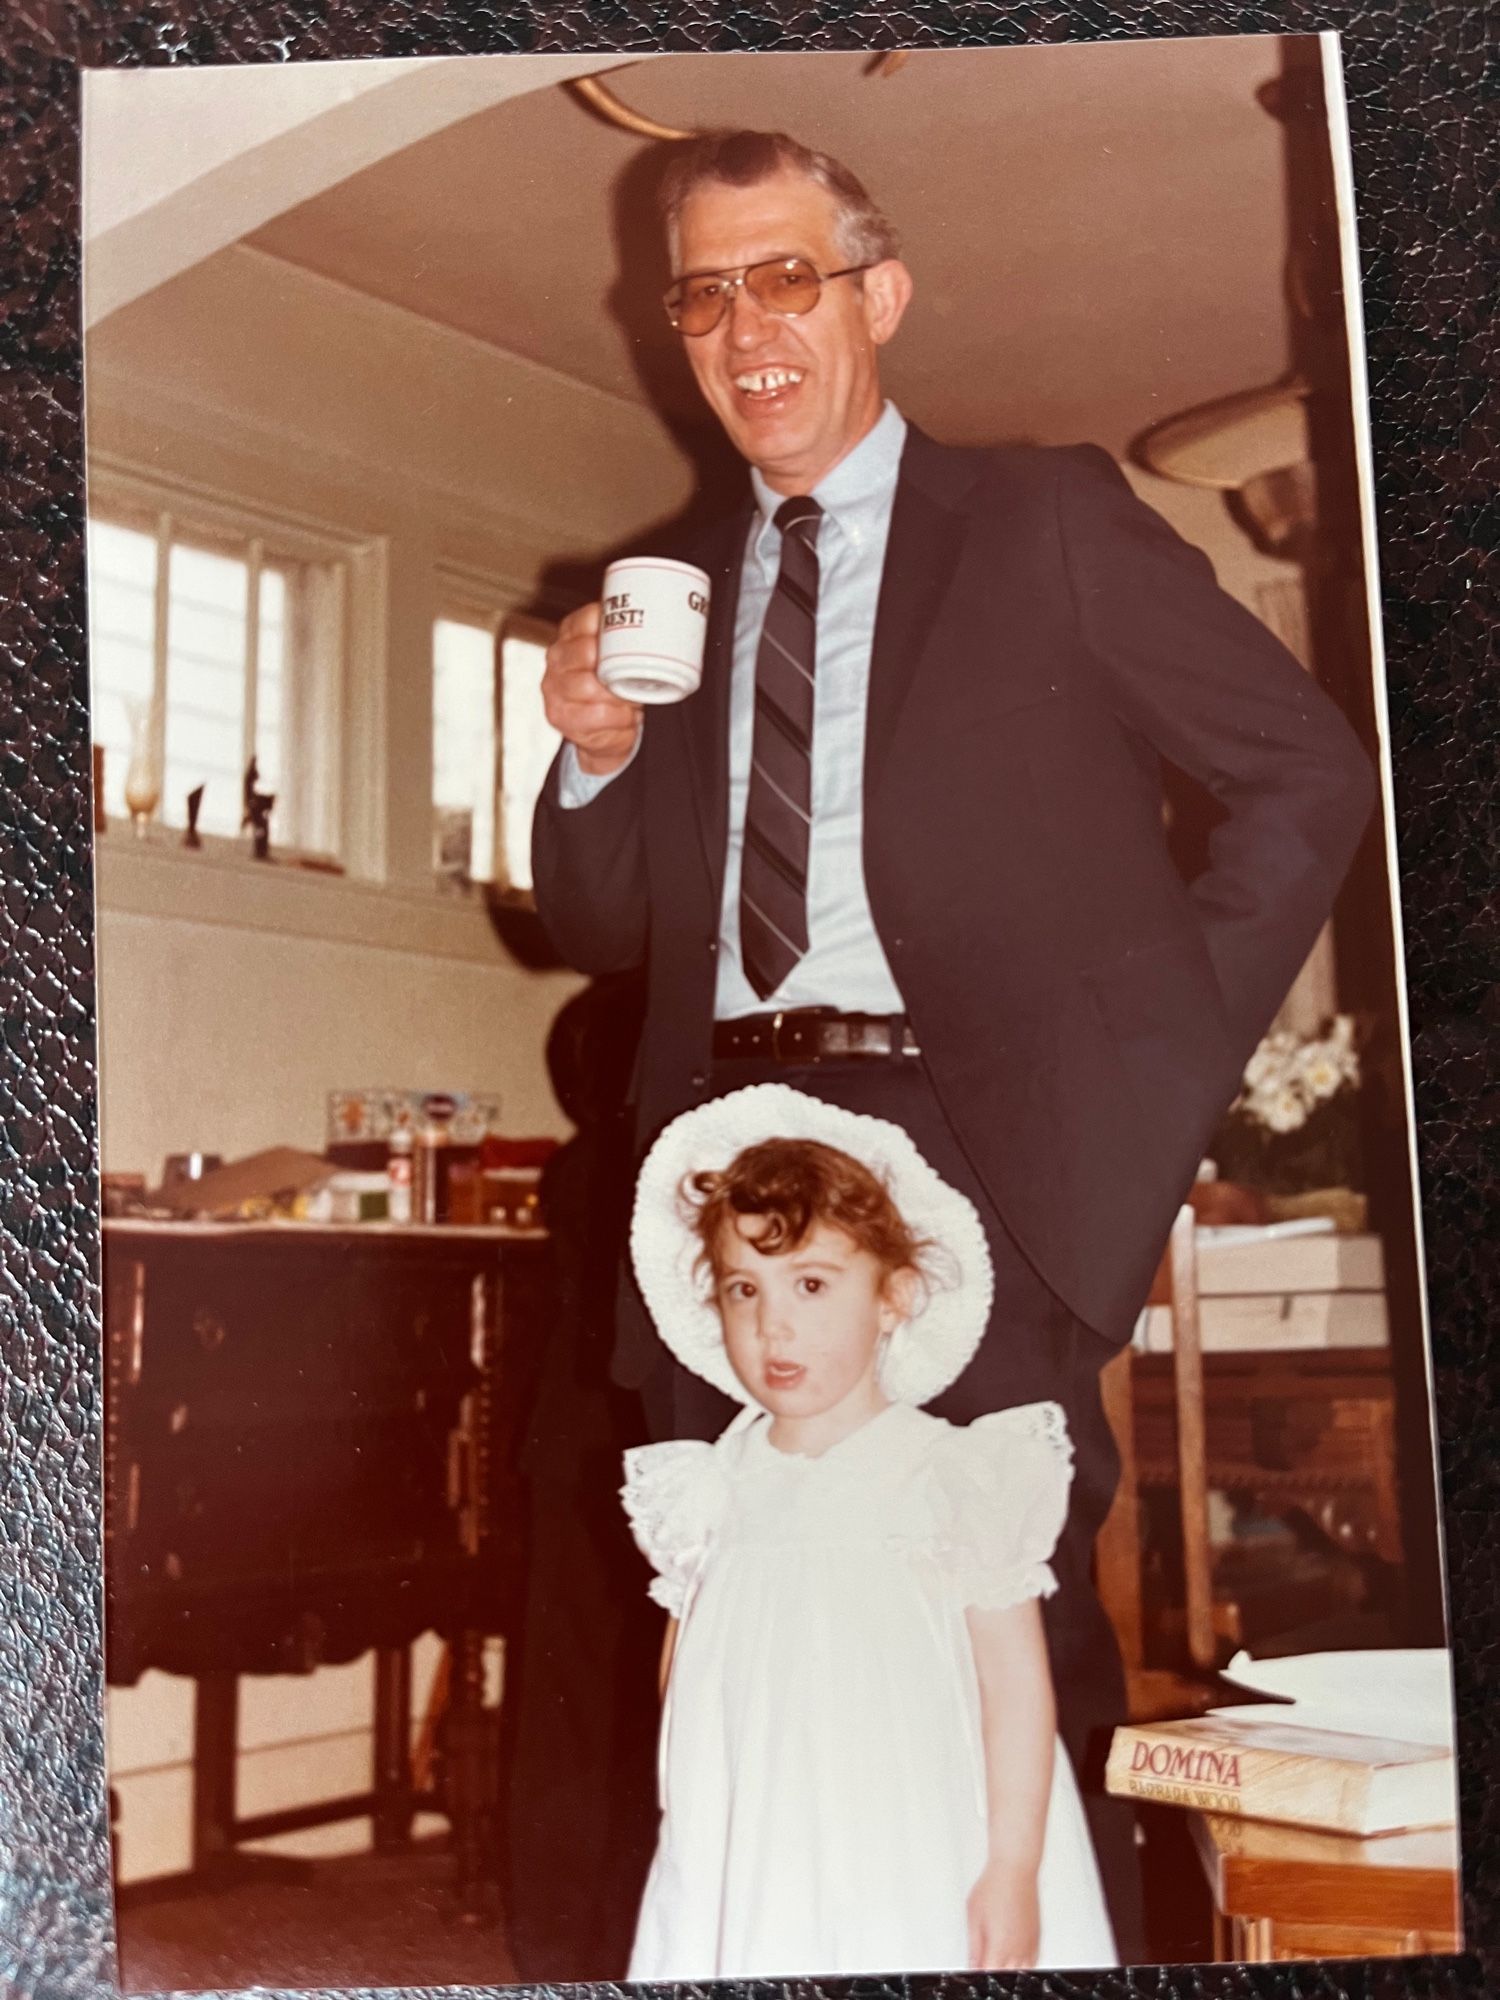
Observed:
{"x":926,"y":1352}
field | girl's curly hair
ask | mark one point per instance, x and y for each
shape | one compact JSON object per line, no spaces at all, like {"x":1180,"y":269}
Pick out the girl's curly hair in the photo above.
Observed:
{"x":794,"y":1184}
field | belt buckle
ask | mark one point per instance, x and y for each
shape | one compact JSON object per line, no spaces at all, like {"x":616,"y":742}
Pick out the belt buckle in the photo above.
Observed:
{"x":777,"y":1051}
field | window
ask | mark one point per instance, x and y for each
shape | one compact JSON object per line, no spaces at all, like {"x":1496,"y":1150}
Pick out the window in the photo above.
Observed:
{"x":463,"y":750}
{"x":528,"y":744}
{"x":491,"y":746}
{"x":210,"y":645}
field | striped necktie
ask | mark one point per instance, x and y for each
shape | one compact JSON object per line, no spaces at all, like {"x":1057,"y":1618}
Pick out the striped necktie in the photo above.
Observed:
{"x":778,"y":808}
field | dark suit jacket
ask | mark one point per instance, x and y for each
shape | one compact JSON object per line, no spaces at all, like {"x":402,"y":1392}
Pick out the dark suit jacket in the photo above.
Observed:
{"x":1043,"y":640}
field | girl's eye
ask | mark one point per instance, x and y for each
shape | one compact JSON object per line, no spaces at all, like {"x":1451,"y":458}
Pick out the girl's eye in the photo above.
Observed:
{"x":812,"y":1284}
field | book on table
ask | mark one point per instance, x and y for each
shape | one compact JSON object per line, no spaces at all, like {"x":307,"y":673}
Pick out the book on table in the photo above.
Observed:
{"x":1274,"y":1770}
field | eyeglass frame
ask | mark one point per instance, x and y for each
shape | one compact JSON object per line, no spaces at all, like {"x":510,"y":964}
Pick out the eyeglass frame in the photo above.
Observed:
{"x":736,"y":277}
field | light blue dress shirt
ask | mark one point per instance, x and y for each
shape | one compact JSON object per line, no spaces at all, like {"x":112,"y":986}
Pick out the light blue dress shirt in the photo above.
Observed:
{"x":844,"y":965}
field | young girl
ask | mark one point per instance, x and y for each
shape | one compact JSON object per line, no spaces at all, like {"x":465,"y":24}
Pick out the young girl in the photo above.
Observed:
{"x":859,"y":1766}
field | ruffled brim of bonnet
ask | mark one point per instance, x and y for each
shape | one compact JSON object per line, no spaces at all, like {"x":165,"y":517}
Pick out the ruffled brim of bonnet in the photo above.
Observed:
{"x":925,"y":1353}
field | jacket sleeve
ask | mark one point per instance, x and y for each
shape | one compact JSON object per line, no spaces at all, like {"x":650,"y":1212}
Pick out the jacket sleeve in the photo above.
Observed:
{"x":589,"y":870}
{"x":1205,"y":683}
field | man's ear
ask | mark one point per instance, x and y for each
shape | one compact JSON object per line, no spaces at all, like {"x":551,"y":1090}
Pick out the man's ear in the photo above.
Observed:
{"x":888,"y":290}
{"x":898,"y":1298}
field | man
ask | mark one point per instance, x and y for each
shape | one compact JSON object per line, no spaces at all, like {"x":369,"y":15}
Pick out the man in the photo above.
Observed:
{"x":904,"y":848}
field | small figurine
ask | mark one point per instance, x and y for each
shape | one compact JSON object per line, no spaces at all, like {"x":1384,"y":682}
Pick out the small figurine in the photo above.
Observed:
{"x":192,"y":838}
{"x":257,"y":815}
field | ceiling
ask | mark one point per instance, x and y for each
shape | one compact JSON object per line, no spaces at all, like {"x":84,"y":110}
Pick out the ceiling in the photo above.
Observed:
{"x":1097,"y":231}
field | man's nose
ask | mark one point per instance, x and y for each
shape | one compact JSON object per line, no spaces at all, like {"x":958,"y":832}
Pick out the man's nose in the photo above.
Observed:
{"x":748,"y":318}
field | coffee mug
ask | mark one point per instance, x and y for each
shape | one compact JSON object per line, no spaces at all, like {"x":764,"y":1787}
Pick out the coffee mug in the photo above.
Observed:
{"x":651,"y":631}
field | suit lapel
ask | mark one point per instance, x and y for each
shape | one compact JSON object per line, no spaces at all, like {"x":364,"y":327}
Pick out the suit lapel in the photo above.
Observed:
{"x":926,"y":534}
{"x":705,"y":718}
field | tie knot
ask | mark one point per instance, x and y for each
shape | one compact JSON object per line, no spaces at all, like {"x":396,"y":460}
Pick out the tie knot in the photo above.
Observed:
{"x":801,"y":514}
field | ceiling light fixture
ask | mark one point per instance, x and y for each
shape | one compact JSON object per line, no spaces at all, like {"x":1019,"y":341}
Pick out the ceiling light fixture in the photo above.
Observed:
{"x":603,"y":100}
{"x":1254,"y":445}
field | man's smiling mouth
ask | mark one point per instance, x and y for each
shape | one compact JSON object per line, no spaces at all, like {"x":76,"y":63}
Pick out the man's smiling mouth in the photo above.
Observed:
{"x":760,"y":384}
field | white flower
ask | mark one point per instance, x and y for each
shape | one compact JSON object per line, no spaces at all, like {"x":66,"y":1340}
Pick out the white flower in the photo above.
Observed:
{"x":1286,"y":1112}
{"x":1320,"y":1070}
{"x":1315,"y":1067}
{"x":1324,"y":1079}
{"x":1286,"y":1084}
{"x":1287,"y":1076}
{"x":1268,"y":1068}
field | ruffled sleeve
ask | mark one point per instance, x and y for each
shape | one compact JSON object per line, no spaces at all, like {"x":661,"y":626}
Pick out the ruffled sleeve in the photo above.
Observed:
{"x":674,"y":1497}
{"x":1004,"y":1481}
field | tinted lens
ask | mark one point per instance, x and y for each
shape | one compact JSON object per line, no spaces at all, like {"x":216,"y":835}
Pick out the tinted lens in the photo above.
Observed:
{"x":697,"y":304}
{"x":787,"y":288}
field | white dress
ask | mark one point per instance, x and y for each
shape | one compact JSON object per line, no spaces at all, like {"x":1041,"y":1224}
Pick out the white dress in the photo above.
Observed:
{"x":821,"y":1766}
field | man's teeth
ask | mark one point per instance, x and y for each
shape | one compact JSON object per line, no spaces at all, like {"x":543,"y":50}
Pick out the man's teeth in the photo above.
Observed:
{"x":765,"y":381}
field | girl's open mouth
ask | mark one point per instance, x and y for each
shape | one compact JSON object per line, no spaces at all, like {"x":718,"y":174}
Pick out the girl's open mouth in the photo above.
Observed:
{"x":783,"y":1374}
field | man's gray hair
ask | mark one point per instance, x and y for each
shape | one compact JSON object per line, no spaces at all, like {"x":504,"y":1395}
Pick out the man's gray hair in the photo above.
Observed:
{"x":745,"y":159}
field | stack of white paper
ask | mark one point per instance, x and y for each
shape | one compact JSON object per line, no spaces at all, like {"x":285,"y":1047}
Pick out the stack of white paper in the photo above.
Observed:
{"x":1404,"y":1694}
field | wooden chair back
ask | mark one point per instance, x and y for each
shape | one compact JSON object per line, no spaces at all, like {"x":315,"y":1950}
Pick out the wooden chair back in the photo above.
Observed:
{"x":1118,"y":1557}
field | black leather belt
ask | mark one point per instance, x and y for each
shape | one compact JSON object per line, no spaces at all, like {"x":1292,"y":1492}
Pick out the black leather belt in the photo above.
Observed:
{"x":814,"y":1034}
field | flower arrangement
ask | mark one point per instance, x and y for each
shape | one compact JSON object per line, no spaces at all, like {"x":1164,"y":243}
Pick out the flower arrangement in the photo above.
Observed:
{"x":1295,"y":1124}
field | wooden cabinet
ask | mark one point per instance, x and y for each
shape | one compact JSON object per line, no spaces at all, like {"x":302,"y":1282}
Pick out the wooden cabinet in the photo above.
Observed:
{"x":310,"y":1445}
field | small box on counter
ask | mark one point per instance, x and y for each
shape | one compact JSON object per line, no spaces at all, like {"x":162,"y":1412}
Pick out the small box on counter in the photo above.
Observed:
{"x":347,"y":1196}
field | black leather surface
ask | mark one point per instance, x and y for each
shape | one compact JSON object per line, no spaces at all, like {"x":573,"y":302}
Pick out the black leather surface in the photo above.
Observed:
{"x":1426,"y":149}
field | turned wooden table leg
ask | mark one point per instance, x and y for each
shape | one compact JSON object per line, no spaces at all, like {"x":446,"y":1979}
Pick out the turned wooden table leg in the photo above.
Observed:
{"x":393,"y":1773}
{"x":216,"y":1710}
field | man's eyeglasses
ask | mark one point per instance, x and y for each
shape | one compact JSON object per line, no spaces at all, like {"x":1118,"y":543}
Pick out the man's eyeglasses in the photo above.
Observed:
{"x":789,"y":286}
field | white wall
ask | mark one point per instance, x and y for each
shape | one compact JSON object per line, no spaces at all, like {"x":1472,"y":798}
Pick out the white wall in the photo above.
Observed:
{"x":265,"y":1024}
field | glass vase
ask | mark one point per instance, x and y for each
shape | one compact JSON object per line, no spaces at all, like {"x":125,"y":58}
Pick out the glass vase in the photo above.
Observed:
{"x":143,"y":772}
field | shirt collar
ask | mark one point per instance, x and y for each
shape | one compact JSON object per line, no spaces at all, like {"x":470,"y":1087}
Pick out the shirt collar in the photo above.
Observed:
{"x":855,"y":494}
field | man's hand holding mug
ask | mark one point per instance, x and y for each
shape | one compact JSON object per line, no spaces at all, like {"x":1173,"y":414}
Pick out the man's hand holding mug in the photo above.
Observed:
{"x":643,"y":644}
{"x":601,"y":727}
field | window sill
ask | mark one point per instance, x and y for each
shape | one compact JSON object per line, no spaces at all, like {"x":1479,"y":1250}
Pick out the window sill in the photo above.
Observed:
{"x":217,"y":884}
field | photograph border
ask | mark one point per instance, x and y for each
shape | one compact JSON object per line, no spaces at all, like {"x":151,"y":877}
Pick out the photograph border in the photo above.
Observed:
{"x":1423,"y":158}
